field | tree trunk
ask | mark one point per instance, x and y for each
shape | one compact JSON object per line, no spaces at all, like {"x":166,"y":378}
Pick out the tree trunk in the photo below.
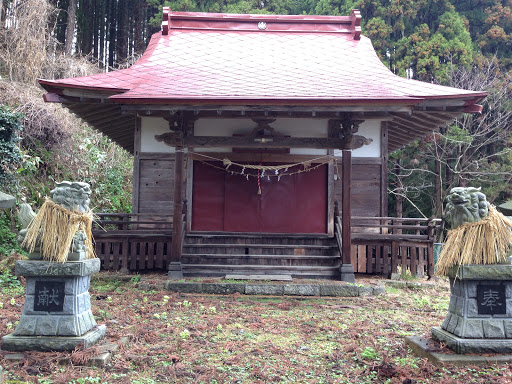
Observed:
{"x":102,"y":10}
{"x":112,"y":34}
{"x":139,"y":22}
{"x":122,"y":32}
{"x":70,"y":27}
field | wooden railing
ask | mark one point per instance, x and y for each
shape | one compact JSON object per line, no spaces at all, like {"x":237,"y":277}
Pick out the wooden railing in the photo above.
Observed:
{"x":381,"y":244}
{"x":137,"y":242}
{"x":128,"y":241}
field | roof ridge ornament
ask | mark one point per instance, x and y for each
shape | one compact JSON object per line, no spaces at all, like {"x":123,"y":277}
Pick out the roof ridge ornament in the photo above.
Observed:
{"x":166,"y":18}
{"x":355,"y":15}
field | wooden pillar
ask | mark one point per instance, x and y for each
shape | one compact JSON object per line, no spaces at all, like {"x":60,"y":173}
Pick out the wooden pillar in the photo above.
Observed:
{"x":175,"y":270}
{"x":347,"y":269}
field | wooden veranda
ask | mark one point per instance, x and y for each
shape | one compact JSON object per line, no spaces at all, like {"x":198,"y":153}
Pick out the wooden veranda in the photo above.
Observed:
{"x":379,"y":245}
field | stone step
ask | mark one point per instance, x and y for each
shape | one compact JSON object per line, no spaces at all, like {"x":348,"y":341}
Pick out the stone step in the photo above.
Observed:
{"x":311,"y":272}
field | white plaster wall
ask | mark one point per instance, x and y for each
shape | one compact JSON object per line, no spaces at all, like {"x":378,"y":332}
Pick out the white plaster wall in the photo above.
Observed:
{"x":371,"y":130}
{"x":151,"y":126}
{"x":288,"y":127}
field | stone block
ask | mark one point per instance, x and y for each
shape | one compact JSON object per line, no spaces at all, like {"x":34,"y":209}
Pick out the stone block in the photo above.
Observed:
{"x":459,"y":306}
{"x":87,"y":322}
{"x":364,"y":291}
{"x":446,"y":321}
{"x":30,"y":287}
{"x":507,"y":326}
{"x":84,"y":283}
{"x":473,"y":329}
{"x":28,"y":307}
{"x":44,"y":269}
{"x":347,"y":273}
{"x":81,"y":305}
{"x":456,"y":287}
{"x":379,"y":290}
{"x":183,"y":287}
{"x":71,"y":286}
{"x":68,"y":326}
{"x":492,"y":272}
{"x":459,"y":327}
{"x":463,"y":346}
{"x":47,"y":325}
{"x":471,"y":288}
{"x":26,"y":326}
{"x":509,"y":307}
{"x":92,"y":319}
{"x":454,"y":320}
{"x":339,"y":290}
{"x":69,"y":305}
{"x":52,"y":343}
{"x":451,"y":306}
{"x":82,"y":325}
{"x":301,"y":290}
{"x":508,"y":289}
{"x":264,"y":289}
{"x":472,"y":309}
{"x":223,"y":288}
{"x":493,"y":329}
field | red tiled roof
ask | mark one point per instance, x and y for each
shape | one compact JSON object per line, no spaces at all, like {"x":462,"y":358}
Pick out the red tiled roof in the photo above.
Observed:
{"x":220,"y":58}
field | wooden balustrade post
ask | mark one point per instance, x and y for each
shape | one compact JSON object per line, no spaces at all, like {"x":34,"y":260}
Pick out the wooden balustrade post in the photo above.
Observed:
{"x":175,"y":270}
{"x":430,"y":248}
{"x":346,"y":269}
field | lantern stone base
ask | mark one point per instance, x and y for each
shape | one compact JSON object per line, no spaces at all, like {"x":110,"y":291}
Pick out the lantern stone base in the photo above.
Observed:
{"x":57,"y":311}
{"x":12,"y":342}
{"x":466,"y":346}
{"x":479,"y":318}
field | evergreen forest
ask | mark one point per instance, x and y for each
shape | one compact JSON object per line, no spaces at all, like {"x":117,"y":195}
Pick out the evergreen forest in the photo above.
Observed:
{"x":461,"y":43}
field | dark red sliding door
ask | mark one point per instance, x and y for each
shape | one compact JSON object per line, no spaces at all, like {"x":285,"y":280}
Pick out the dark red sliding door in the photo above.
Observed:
{"x":225,"y":202}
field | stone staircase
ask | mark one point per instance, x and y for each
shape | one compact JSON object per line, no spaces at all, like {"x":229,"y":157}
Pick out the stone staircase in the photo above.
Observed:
{"x":300,"y":256}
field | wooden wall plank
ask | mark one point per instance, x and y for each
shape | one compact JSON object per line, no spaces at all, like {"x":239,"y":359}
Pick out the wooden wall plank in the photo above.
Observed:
{"x":136,"y":166}
{"x":159,"y":257}
{"x":369,"y":258}
{"x":151,"y":255}
{"x":378,"y":259}
{"x":115,"y":255}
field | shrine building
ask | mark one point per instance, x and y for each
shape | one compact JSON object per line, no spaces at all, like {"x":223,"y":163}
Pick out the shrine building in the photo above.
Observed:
{"x":269,"y":127}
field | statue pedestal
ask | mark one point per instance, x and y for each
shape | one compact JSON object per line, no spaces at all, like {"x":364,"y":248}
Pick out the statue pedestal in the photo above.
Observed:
{"x":57,"y":312}
{"x":479,"y":318}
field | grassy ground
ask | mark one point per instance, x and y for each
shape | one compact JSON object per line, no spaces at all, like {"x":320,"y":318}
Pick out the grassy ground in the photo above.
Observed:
{"x":184,"y":338}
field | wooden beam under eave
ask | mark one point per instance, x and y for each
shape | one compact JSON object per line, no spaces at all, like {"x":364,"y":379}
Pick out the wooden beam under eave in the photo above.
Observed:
{"x":436,"y":120}
{"x":264,"y":157}
{"x":402,"y":133}
{"x":94,"y":111}
{"x":124,"y":132}
{"x":249,"y":142}
{"x":119,"y":123}
{"x":107,"y":118}
{"x":448,"y":117}
{"x":414,"y":127}
{"x":415,"y":123}
{"x":271,"y":108}
{"x":394,"y":144}
{"x":410,"y":128}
